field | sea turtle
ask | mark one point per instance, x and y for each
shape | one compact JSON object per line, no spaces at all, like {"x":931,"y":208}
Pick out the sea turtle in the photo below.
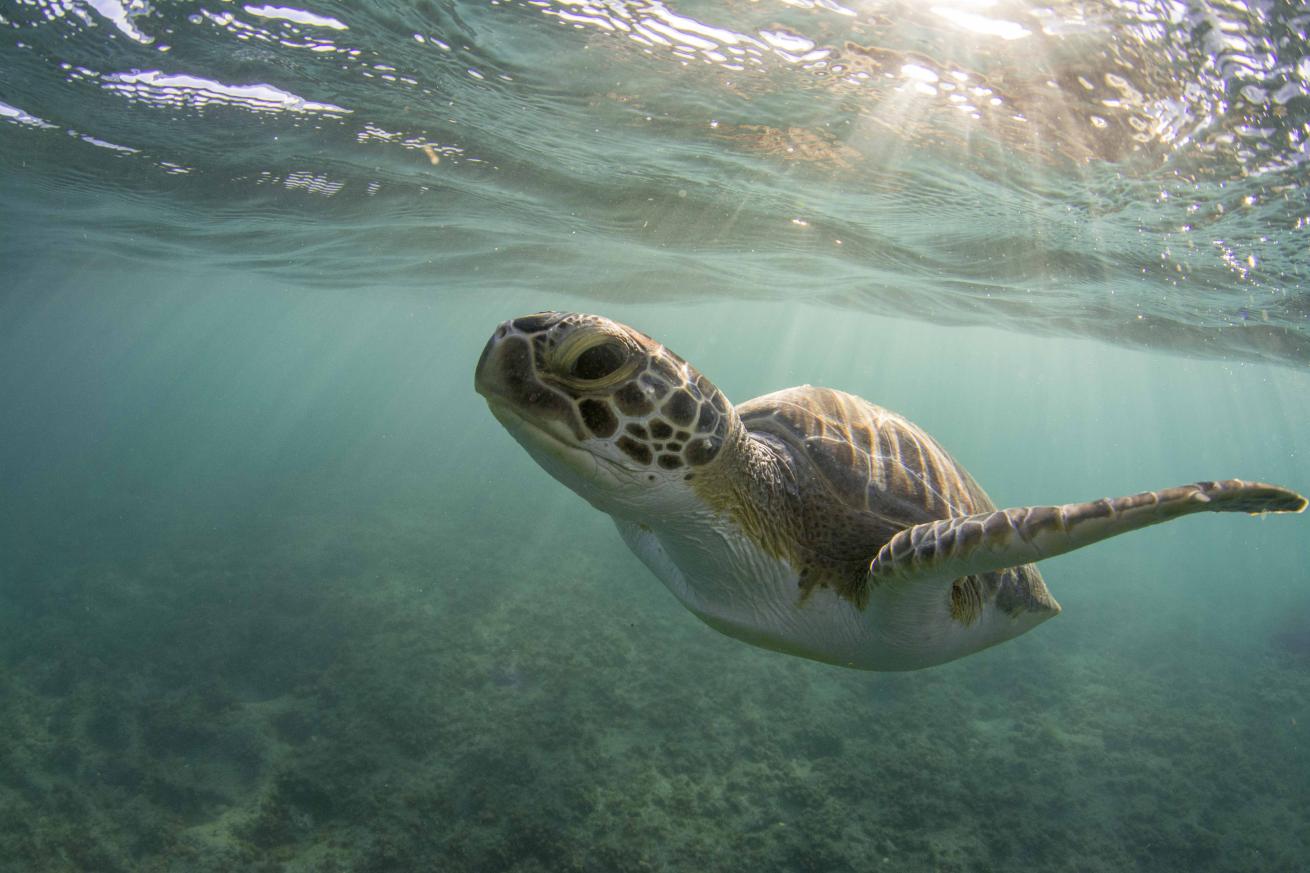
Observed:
{"x":808,"y":521}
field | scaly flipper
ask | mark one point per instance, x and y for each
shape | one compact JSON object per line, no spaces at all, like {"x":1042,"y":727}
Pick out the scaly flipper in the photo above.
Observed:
{"x":971,"y":544}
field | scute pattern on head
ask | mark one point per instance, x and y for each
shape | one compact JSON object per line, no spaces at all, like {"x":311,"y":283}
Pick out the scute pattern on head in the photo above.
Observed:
{"x":663,"y":414}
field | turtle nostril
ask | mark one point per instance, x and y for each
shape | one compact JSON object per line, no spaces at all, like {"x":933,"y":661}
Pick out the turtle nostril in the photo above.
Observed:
{"x":502,"y":332}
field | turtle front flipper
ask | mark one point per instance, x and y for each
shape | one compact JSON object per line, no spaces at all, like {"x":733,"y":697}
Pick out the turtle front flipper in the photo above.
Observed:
{"x":967,"y":545}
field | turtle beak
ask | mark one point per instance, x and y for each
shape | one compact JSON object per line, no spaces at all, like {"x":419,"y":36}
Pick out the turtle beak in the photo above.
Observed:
{"x":485,"y":379}
{"x":507,"y":377}
{"x":505,"y":374}
{"x":540,"y":418}
{"x":506,"y":360}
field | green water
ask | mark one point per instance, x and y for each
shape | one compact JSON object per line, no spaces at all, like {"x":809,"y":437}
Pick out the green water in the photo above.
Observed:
{"x":280,"y":594}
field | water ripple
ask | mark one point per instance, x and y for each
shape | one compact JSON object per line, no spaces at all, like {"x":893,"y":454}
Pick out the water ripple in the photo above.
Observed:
{"x":1125,"y":169}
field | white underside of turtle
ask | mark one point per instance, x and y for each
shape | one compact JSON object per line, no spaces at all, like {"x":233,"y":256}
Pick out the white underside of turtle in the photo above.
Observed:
{"x":753,"y":598}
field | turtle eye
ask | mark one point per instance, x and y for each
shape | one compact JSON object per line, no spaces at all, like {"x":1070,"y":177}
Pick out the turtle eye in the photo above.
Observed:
{"x":599,"y":361}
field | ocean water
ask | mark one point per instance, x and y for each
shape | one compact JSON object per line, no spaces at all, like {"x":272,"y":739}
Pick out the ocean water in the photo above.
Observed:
{"x":277,"y":593}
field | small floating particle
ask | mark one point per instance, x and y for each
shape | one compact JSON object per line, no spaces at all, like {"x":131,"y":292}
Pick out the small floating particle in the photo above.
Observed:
{"x":432,"y":154}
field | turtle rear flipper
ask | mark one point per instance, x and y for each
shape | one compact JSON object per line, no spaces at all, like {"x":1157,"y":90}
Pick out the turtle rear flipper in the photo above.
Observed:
{"x":966,"y":545}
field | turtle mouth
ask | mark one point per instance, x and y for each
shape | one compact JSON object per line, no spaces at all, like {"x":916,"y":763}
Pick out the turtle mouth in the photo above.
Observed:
{"x":538,"y":437}
{"x":551,"y":447}
{"x":516,"y":422}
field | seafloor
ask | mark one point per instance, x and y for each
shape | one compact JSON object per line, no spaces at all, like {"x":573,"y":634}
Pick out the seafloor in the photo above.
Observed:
{"x":419,"y":690}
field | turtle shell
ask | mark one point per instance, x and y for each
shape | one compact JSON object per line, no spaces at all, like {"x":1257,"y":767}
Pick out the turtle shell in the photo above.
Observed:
{"x":868,"y":458}
{"x":860,"y":474}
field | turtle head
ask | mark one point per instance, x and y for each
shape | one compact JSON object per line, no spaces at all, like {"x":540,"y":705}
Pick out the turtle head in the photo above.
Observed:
{"x":605,"y":409}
